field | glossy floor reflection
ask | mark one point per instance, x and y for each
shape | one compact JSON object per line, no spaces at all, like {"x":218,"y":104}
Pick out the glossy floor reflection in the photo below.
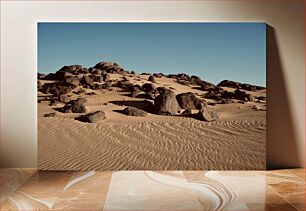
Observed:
{"x":28,"y":189}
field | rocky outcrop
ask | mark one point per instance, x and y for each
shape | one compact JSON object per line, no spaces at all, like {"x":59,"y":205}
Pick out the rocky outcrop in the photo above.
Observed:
{"x":150,"y":90}
{"x":135,"y":91}
{"x":53,"y":114}
{"x":166,"y":103}
{"x":92,"y":117}
{"x":225,"y":97}
{"x":87,"y":81}
{"x":131,"y":111}
{"x":109,"y":67}
{"x":207,"y":114}
{"x":72,"y":80}
{"x":237,"y":85}
{"x":75,"y":106}
{"x":56,"y":89}
{"x":152,"y":79}
{"x":189,"y":101}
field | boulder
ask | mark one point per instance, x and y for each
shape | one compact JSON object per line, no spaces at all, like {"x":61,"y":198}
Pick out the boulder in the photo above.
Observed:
{"x":87,"y":81}
{"x":97,"y":78}
{"x":135,"y":91}
{"x":53,"y":114}
{"x":75,"y":106}
{"x":189,"y":101}
{"x":108,"y":85}
{"x":183,"y":82}
{"x":72,"y":80}
{"x":133,"y":72}
{"x":196,"y":80}
{"x":106,"y":77}
{"x":237,"y":85}
{"x":97,"y":72}
{"x":158,"y":75}
{"x":64,"y":98}
{"x":148,"y":88}
{"x":92,"y":117}
{"x":39,"y":85}
{"x":242,"y":95}
{"x":41,"y":75}
{"x":205,"y":86}
{"x":131,"y":111}
{"x":71,"y":68}
{"x":56,"y":89}
{"x":152,"y":79}
{"x":166,"y":104}
{"x":207,"y":114}
{"x":187,"y":112}
{"x":261,"y":98}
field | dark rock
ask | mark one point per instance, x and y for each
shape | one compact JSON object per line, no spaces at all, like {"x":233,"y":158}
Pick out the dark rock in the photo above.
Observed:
{"x":207,"y":114}
{"x":41,"y":75}
{"x":166,"y":103}
{"x":39,"y":85}
{"x":59,"y":75}
{"x":54,"y":102}
{"x":161,"y":89}
{"x":158,"y":75}
{"x":72,"y":80}
{"x":189,"y":101}
{"x":135,"y":91}
{"x":56,"y":89}
{"x":75,"y":106}
{"x":187,"y":112}
{"x":97,"y":72}
{"x":87,"y":81}
{"x":90,"y":93}
{"x":109,"y":67}
{"x":172,"y":76}
{"x":226,"y":101}
{"x":131,"y":111}
{"x":97,"y":78}
{"x":106,"y":77}
{"x":152,"y":79}
{"x":262,"y":98}
{"x":228,"y":83}
{"x":242,"y":95}
{"x":205,"y":86}
{"x":50,"y":115}
{"x":133,"y":72}
{"x":64,"y":98}
{"x":196,"y":80}
{"x":148,"y":88}
{"x":183,"y":82}
{"x":108,"y":84}
{"x":183,"y":76}
{"x":237,"y":85}
{"x":71,"y":68}
{"x":92,"y":117}
{"x":99,"y":86}
{"x":145,"y":74}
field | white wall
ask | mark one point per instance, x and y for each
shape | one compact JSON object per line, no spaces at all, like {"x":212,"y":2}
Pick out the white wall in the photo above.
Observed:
{"x":18,"y":62}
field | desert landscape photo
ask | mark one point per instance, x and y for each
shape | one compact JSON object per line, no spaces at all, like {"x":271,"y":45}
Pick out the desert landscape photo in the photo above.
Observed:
{"x":107,"y":115}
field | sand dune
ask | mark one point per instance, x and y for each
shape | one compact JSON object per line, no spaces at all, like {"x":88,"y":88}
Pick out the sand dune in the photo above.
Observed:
{"x":235,"y":141}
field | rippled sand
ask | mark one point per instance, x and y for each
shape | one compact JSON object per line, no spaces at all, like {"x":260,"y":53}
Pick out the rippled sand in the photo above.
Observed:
{"x":236,"y":141}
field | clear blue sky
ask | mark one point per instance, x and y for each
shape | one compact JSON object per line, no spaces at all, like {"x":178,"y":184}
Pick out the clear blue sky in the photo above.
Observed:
{"x":213,"y":51}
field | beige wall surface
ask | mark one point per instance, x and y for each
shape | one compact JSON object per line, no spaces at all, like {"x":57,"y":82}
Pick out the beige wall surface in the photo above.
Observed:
{"x":285,"y":54}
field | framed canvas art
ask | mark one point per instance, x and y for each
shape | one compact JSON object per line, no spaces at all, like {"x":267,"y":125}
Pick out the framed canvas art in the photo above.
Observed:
{"x":151,"y":96}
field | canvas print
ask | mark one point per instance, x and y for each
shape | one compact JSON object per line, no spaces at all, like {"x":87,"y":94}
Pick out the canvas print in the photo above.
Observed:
{"x":151,"y":96}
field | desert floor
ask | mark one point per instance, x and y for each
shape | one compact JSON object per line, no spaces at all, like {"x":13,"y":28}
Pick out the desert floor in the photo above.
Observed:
{"x":236,"y":141}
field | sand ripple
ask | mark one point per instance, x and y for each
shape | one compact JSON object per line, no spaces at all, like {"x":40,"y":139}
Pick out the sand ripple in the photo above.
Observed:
{"x":175,"y":143}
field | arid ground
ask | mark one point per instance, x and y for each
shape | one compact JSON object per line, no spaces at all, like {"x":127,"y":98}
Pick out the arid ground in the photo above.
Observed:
{"x":82,"y":124}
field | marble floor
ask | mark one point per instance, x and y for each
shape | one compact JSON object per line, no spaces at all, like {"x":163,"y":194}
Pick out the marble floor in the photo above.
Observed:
{"x":28,"y":189}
